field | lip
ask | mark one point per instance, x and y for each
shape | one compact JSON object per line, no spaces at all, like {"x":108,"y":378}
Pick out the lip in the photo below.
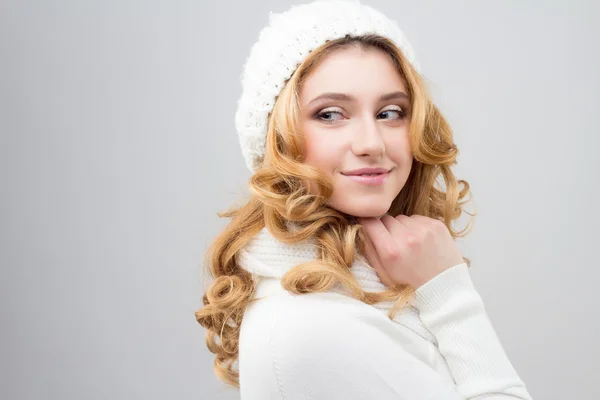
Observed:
{"x":370,"y":180}
{"x":368,"y":170}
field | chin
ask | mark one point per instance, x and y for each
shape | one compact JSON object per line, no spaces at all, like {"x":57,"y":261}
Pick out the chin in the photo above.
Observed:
{"x":364,"y":210}
{"x":369,"y":213}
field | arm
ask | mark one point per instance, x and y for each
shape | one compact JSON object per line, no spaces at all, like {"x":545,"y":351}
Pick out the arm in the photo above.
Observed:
{"x":454,"y":312}
{"x":328,"y":346}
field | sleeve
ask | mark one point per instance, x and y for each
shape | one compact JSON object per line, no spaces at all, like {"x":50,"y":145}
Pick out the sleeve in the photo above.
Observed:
{"x":454,"y":312}
{"x":323,"y":347}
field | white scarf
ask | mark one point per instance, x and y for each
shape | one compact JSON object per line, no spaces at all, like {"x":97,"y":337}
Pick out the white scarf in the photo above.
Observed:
{"x":266,"y":257}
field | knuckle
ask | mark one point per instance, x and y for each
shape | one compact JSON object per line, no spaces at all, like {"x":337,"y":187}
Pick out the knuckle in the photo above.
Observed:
{"x":439,"y":226}
{"x":413,"y":240}
{"x":438,"y":223}
{"x":386,"y":217}
{"x":391,"y":253}
{"x":429,"y":235}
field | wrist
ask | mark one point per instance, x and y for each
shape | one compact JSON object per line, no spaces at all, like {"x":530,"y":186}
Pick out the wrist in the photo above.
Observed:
{"x":443,"y":287}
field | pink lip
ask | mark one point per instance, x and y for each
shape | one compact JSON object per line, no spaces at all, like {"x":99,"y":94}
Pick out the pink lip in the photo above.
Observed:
{"x":368,"y":170}
{"x":371,"y":180}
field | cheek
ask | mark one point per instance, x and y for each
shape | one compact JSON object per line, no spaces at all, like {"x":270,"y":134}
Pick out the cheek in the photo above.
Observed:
{"x":321,"y":151}
{"x":398,"y":148}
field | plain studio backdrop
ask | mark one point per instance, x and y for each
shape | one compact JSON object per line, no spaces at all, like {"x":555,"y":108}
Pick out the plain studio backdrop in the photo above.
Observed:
{"x":118,"y":148}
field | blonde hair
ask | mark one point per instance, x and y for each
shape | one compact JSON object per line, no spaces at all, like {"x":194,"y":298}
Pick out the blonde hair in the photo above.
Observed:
{"x":280,"y":195}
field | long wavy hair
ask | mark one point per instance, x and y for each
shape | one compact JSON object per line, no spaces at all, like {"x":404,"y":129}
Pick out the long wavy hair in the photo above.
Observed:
{"x":280,"y":195}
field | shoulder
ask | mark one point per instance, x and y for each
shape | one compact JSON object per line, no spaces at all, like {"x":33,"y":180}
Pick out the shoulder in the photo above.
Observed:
{"x":283,"y":314}
{"x":326,"y":323}
{"x":329,"y":345}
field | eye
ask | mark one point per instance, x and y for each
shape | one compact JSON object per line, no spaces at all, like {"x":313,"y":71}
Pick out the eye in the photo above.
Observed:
{"x":326,"y":114}
{"x":399,"y":112}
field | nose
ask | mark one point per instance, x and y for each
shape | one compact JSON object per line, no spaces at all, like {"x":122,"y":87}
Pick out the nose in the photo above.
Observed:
{"x":368,"y":140}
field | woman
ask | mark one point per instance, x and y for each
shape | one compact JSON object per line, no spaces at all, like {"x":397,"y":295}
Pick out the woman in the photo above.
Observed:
{"x":340,"y":278}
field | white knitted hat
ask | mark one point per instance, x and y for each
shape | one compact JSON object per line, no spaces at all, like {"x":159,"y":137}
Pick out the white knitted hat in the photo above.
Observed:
{"x":284,"y":44}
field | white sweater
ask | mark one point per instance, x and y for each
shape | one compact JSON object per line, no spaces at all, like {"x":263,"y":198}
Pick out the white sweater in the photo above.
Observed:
{"x":332,"y":346}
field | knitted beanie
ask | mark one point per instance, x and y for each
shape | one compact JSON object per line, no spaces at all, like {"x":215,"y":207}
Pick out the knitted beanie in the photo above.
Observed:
{"x":284,"y":44}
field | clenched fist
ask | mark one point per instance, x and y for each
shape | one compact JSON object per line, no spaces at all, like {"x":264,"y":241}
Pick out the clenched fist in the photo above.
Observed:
{"x":409,"y":250}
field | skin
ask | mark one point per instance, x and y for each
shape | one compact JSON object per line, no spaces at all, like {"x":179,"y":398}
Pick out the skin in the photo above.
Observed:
{"x":367,"y":131}
{"x":363,"y":132}
{"x":409,"y":250}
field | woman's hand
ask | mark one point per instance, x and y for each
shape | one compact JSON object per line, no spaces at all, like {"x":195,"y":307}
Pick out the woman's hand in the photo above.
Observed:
{"x":409,"y":250}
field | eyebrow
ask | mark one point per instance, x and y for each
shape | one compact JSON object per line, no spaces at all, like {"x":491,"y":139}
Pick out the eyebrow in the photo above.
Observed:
{"x":347,"y":97}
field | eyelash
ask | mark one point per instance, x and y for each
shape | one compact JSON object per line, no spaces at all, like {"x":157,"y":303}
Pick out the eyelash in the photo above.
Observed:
{"x":403,"y":114}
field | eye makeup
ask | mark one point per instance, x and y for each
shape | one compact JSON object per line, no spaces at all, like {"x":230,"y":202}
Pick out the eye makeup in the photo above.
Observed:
{"x":400,"y":111}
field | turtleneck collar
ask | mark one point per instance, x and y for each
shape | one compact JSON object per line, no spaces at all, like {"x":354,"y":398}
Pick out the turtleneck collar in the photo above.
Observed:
{"x":268,"y":258}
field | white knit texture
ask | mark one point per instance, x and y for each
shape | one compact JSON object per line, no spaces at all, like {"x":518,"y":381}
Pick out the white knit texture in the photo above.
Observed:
{"x":265,"y":256}
{"x":284,"y":44}
{"x":291,"y":351}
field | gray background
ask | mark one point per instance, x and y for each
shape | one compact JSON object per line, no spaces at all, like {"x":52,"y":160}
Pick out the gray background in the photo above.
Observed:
{"x":118,"y":148}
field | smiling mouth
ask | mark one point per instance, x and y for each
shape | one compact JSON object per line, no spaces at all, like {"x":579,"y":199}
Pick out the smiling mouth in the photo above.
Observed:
{"x":367,"y":172}
{"x":373,"y":174}
{"x":369,"y":179}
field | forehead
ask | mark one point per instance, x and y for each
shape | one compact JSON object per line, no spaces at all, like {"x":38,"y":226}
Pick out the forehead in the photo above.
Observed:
{"x":353,"y":70}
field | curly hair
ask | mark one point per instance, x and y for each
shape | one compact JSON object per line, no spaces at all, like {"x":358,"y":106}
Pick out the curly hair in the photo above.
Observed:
{"x":280,"y":195}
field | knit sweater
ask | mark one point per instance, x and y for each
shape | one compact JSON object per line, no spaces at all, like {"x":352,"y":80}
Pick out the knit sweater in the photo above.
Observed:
{"x":329,"y":345}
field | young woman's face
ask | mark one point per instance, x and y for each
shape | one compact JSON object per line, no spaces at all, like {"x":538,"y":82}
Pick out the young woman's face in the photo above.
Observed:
{"x":355,"y":107}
